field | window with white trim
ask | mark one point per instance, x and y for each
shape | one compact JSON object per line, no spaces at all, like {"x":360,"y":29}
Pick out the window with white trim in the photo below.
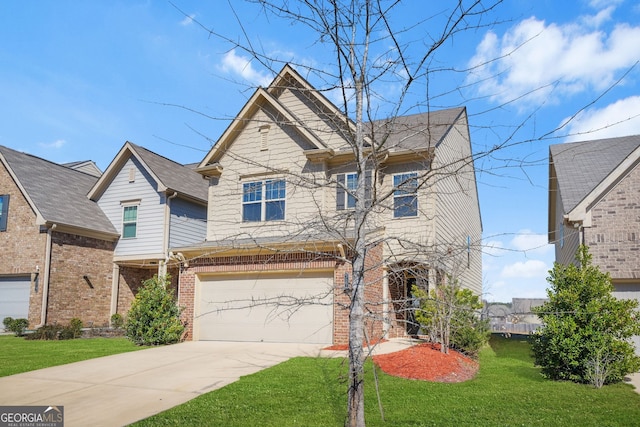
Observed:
{"x":346,"y":188}
{"x":405,"y":195}
{"x":4,"y":211}
{"x":263,"y":200}
{"x":129,"y":221}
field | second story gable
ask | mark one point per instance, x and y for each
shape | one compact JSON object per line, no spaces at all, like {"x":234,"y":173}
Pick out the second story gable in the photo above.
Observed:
{"x":594,"y":198}
{"x":152,"y":201}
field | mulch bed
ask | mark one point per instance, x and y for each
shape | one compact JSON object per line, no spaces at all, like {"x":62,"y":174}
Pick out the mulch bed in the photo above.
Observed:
{"x":426,"y":362}
{"x":339,"y":347}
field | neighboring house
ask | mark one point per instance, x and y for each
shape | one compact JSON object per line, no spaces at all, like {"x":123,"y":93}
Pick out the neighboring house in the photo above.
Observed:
{"x":57,"y":245}
{"x":516,"y":317}
{"x":594,"y":199}
{"x":274,"y":266}
{"x":154,"y":203}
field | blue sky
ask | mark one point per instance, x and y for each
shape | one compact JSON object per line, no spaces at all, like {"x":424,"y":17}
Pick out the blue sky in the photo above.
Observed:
{"x":78,"y":79}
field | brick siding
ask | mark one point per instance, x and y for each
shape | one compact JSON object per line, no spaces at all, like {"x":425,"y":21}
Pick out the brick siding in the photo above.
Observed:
{"x":614,"y":238}
{"x":23,"y":246}
{"x":71,"y":295}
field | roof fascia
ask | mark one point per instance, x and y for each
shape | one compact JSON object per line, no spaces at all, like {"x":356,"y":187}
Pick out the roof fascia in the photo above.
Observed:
{"x":287,"y":70}
{"x":582,"y":212}
{"x":116,"y":166}
{"x":40,"y":220}
{"x":552,"y":197}
{"x":70,"y":229}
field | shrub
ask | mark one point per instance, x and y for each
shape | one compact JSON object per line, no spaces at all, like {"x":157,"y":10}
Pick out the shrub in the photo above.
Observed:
{"x":586,"y":332}
{"x":449,"y":314}
{"x":46,"y":332}
{"x":17,"y":326}
{"x":154,"y":317}
{"x":117,"y":322}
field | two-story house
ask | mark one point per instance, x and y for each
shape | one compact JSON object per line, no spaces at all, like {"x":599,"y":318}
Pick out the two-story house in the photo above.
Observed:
{"x":57,"y":245}
{"x":154,"y":203}
{"x":275,"y":265}
{"x":594,"y":199}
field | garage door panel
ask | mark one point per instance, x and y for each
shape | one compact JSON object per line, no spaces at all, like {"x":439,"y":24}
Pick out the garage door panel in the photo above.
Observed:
{"x":267,"y":308}
{"x":14,"y":298}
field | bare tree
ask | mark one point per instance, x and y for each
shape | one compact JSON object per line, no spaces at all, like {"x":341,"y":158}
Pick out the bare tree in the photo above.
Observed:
{"x":373,"y":53}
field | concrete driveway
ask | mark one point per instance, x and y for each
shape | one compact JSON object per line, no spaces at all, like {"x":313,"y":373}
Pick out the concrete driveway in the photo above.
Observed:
{"x":118,"y":390}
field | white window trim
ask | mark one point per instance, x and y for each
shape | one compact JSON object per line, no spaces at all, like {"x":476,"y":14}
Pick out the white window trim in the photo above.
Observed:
{"x":393,"y":178}
{"x":126,"y":204}
{"x":264,"y":201}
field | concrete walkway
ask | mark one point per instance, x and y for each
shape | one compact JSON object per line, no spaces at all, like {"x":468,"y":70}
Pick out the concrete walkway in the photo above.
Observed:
{"x":121,"y":389}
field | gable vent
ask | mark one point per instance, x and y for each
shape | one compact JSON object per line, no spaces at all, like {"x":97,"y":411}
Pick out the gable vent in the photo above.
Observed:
{"x":264,"y":138}
{"x":132,"y":174}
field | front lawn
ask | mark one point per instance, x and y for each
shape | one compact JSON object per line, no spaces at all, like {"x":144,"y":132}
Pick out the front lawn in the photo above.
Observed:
{"x":507,"y":391}
{"x":19,"y":355}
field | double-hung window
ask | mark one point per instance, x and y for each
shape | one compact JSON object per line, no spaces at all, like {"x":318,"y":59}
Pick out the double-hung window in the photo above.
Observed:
{"x":346,"y":189}
{"x":130,"y":221}
{"x":263,"y":200}
{"x":405,"y":195}
{"x":4,"y":211}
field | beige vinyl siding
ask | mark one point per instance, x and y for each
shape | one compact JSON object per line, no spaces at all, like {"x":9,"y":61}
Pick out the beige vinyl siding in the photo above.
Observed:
{"x":418,"y":229}
{"x":323,"y":125}
{"x":284,"y":159}
{"x":149,"y":237}
{"x":457,"y":210}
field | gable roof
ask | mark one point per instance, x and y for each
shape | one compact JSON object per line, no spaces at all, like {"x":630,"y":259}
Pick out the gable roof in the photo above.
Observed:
{"x":57,"y":194}
{"x":581,"y":166}
{"x":170,"y":176}
{"x":86,"y":166}
{"x":403,"y":134}
{"x":417,"y":131}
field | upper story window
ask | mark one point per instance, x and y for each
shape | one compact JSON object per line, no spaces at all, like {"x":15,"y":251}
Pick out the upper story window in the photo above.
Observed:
{"x":405,"y":195}
{"x":130,"y":221}
{"x":263,"y":200}
{"x":4,"y":211}
{"x":345,"y":191}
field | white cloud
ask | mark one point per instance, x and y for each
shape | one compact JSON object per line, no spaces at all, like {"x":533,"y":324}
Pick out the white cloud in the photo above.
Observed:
{"x":58,"y":143}
{"x":618,"y":119}
{"x":241,"y":65}
{"x":528,"y":269}
{"x":547,"y":60}
{"x":188,"y":20}
{"x":531,"y":243}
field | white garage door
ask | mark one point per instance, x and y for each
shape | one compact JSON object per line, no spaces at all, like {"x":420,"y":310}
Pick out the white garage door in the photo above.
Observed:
{"x":266,"y":307}
{"x":14,"y":298}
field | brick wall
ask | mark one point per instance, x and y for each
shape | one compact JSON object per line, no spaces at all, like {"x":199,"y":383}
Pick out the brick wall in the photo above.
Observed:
{"x":614,"y":238}
{"x":23,"y":246}
{"x":129,"y":282}
{"x":70,"y":293}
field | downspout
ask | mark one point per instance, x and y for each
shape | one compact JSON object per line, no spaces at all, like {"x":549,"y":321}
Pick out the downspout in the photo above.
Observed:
{"x":162,"y":268}
{"x":386,"y":323}
{"x":47,"y":273}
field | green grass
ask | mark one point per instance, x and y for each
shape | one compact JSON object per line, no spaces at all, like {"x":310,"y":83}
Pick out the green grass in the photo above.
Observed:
{"x":508,"y":391}
{"x":19,"y":355}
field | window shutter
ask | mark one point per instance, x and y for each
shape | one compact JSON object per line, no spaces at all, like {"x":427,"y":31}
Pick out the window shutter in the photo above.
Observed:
{"x":4,"y":213}
{"x":340,"y":196}
{"x":368,"y":185}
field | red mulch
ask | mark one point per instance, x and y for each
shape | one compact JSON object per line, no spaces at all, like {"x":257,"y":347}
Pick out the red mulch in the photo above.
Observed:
{"x":426,"y":362}
{"x":338,"y":347}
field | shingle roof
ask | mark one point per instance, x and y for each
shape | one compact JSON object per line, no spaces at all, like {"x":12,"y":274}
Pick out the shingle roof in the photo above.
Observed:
{"x":173,"y":175}
{"x":581,"y":166}
{"x":58,"y":192}
{"x":417,"y":131}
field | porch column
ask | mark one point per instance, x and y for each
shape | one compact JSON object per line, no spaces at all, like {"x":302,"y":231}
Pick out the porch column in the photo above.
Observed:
{"x":386,"y":323}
